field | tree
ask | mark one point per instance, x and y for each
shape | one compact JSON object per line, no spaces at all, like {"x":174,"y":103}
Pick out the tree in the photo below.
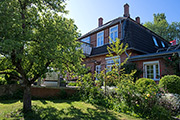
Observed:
{"x":161,"y":27}
{"x":34,"y":35}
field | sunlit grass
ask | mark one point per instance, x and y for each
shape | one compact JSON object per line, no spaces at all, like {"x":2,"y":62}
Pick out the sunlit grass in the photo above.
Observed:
{"x":59,"y":109}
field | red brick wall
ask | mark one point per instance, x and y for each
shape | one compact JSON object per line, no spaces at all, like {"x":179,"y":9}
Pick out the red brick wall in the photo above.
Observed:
{"x":93,"y":37}
{"x":90,"y":62}
{"x":106,"y":35}
{"x":44,"y":92}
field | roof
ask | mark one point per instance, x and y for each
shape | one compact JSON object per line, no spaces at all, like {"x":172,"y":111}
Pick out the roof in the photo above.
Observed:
{"x":154,"y":55}
{"x":110,"y":23}
{"x":139,"y":37}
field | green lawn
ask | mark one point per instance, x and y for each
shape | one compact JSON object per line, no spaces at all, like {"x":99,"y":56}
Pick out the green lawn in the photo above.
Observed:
{"x":59,"y":109}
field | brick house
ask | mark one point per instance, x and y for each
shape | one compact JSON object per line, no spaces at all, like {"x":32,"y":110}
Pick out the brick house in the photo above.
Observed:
{"x":147,"y":48}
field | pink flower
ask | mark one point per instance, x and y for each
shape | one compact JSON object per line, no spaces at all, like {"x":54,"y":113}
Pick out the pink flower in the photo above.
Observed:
{"x":169,"y":58}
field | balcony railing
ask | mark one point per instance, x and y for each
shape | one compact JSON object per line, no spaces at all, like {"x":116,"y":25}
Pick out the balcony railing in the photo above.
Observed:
{"x":86,"y":47}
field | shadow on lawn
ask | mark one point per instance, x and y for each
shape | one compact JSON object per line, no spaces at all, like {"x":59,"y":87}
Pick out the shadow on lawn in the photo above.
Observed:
{"x":9,"y":101}
{"x":70,"y":113}
{"x":56,"y":101}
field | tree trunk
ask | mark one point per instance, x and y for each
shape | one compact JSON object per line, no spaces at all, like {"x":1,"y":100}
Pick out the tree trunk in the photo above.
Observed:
{"x":27,"y":98}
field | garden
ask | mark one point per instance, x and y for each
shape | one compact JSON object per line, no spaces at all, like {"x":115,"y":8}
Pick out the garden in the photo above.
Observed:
{"x":108,"y":95}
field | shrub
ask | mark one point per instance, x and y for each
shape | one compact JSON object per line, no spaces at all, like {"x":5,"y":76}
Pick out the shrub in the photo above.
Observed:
{"x":146,"y":85}
{"x":159,"y":113}
{"x":72,"y":84}
{"x":171,"y":83}
{"x":3,"y":81}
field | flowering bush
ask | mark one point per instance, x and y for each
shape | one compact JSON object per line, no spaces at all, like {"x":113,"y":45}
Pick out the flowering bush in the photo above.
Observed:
{"x":171,"y":102}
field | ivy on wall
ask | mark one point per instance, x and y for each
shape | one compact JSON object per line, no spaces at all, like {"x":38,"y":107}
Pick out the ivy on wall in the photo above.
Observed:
{"x":174,"y":62}
{"x":129,"y":67}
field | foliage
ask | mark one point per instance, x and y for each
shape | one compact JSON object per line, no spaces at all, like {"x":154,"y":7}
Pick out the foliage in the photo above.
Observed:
{"x":3,"y":81}
{"x":129,"y":67}
{"x":15,"y":96}
{"x":161,"y":27}
{"x":72,"y":84}
{"x":171,"y":83}
{"x":63,"y":81}
{"x":159,"y":112}
{"x":89,"y":92}
{"x":146,"y":85}
{"x":35,"y":36}
{"x":173,"y":61}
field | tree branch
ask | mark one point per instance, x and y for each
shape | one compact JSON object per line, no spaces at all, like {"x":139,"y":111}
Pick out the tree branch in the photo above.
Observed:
{"x":40,"y":73}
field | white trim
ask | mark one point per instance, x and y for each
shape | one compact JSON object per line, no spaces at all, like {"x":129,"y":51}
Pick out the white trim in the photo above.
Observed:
{"x":151,"y":62}
{"x":154,"y":68}
{"x":102,"y":38}
{"x":113,"y":32}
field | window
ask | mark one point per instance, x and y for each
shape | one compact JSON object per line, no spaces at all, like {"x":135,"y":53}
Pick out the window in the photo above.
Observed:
{"x":155,"y":41}
{"x":177,"y":40}
{"x":86,"y":40}
{"x":110,"y":61}
{"x":163,"y":45}
{"x":113,"y":32}
{"x":151,"y":70}
{"x":98,"y":69}
{"x":100,"y":38}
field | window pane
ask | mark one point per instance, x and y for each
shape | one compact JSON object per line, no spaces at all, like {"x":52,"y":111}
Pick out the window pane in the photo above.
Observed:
{"x":155,"y":41}
{"x":152,"y":70}
{"x":100,"y":39}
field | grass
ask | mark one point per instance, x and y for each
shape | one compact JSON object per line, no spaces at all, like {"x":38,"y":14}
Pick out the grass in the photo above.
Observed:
{"x":58,"y":110}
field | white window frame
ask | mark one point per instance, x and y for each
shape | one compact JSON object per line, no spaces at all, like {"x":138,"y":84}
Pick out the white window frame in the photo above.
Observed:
{"x":100,"y":36}
{"x":111,"y":64}
{"x":162,"y":43}
{"x":113,"y":33}
{"x":86,"y":39}
{"x":98,"y":69}
{"x":154,"y":69}
{"x":155,"y":41}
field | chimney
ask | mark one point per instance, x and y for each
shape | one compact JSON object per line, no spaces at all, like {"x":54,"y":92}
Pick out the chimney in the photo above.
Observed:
{"x":126,"y":10}
{"x":100,"y":22}
{"x":138,"y":20}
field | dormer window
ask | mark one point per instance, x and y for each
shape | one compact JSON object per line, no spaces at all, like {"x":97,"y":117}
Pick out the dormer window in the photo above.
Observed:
{"x":113,"y":33}
{"x":162,"y":43}
{"x":86,"y":40}
{"x":100,"y":38}
{"x":155,"y":41}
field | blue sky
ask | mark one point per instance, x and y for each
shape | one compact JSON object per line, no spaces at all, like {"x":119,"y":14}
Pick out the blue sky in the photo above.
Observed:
{"x":86,"y":12}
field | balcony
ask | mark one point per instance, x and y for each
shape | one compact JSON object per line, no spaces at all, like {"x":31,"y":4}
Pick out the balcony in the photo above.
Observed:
{"x":86,"y":47}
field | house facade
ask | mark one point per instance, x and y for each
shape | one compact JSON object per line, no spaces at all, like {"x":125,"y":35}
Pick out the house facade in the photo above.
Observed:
{"x":147,"y":49}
